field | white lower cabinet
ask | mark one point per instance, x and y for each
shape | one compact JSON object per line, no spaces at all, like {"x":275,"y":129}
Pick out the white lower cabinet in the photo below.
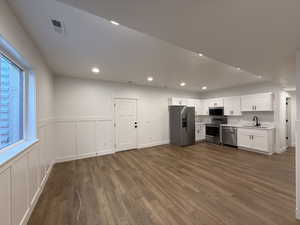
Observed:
{"x":199,"y":132}
{"x":256,"y":139}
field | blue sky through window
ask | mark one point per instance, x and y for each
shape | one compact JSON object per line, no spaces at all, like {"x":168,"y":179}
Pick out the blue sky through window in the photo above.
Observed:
{"x":11,"y":103}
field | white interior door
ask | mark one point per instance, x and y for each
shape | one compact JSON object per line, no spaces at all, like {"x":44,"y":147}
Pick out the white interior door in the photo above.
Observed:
{"x":126,"y":124}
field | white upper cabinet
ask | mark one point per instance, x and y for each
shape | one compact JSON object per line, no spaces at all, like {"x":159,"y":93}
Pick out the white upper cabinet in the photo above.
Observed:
{"x":178,"y":101}
{"x":215,"y":102}
{"x":232,"y":106}
{"x":257,"y":102}
{"x":198,"y":104}
{"x":204,"y":110}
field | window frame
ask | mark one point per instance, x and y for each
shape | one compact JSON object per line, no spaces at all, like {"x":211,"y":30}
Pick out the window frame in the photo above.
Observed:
{"x":24,"y":101}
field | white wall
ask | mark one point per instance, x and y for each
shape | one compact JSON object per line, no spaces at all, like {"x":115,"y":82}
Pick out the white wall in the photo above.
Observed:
{"x":89,"y":104}
{"x":277,"y":117}
{"x":298,"y":134}
{"x":293,"y":117}
{"x":22,"y":178}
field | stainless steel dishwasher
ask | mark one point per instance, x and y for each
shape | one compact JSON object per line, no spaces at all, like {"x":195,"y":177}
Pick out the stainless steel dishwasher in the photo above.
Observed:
{"x":229,"y":135}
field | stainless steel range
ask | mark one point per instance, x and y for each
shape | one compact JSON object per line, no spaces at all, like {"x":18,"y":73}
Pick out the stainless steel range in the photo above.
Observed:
{"x":213,"y":129}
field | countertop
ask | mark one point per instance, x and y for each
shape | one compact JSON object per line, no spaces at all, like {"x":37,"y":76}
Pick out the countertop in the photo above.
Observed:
{"x":248,"y":127}
{"x":202,"y":123}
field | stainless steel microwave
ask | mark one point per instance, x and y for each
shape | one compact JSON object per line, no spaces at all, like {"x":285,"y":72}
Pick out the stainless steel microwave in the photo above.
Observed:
{"x":216,"y":111}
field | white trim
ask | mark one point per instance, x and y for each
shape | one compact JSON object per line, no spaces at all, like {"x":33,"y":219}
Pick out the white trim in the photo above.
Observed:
{"x":297,"y":214}
{"x":153,"y":144}
{"x":15,"y":153}
{"x":283,"y":149}
{"x":36,"y":197}
{"x":79,"y":119}
{"x":84,"y":156}
{"x":114,"y":122}
{"x":254,"y":150}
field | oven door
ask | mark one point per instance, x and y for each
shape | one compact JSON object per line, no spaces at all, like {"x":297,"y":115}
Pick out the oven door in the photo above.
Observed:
{"x":212,"y":130}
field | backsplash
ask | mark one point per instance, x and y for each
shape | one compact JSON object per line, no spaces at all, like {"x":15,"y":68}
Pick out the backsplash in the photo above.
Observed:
{"x":265,"y":118}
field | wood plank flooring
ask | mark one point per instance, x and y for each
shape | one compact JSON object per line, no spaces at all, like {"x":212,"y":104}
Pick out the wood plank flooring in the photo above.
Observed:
{"x":204,"y":184}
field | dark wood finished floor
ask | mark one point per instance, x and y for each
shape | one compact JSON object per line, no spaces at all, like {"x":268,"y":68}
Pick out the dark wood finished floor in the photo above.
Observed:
{"x":204,"y":184}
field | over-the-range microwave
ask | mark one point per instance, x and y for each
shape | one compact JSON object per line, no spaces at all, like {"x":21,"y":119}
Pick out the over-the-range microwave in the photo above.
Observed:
{"x":216,"y":111}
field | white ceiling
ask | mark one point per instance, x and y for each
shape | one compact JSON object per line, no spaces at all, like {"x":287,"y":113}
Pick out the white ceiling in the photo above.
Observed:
{"x":123,"y":54}
{"x":260,"y":36}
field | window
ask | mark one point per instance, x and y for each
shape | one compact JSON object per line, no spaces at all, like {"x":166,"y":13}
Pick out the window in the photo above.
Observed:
{"x":11,"y":102}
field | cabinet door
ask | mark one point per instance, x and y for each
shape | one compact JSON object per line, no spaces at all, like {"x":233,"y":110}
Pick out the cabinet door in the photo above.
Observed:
{"x":178,"y":101}
{"x":202,"y":132}
{"x":198,"y":107}
{"x":204,"y":110}
{"x":257,"y":102}
{"x":232,"y":106}
{"x":191,"y":102}
{"x":215,"y":102}
{"x":247,"y":102}
{"x":264,"y":102}
{"x":260,"y":142}
{"x":198,"y":132}
{"x":244,"y":139}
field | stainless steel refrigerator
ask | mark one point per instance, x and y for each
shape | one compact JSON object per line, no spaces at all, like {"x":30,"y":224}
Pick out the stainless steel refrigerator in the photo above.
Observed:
{"x":182,"y":125}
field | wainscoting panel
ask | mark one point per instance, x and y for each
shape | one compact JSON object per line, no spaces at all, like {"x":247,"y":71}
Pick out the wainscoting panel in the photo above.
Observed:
{"x":34,"y":174}
{"x":65,"y":134}
{"x":22,"y":178}
{"x":81,"y":138}
{"x":5,"y":197}
{"x":85,"y":131}
{"x":104,"y":136}
{"x":20,"y":190}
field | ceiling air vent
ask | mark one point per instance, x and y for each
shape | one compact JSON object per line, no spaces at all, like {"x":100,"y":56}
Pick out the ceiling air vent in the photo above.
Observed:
{"x":58,"y":26}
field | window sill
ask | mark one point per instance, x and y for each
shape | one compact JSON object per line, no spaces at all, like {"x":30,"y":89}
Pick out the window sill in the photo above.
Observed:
{"x":10,"y":154}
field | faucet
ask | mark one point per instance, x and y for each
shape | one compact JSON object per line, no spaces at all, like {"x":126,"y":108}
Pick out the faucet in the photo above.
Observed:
{"x":255,"y":118}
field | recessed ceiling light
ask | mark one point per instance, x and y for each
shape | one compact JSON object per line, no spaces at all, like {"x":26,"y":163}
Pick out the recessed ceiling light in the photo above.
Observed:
{"x":182,"y":84}
{"x":95,"y":70}
{"x":204,"y":88}
{"x":115,"y":23}
{"x":150,"y":79}
{"x":238,"y":68}
{"x":259,"y":77}
{"x":200,"y":54}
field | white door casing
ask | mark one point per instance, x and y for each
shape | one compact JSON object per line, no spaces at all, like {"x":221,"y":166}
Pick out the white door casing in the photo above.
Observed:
{"x":126,"y":124}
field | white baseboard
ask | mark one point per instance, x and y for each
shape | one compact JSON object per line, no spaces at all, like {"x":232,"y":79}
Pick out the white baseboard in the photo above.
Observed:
{"x":36,"y":197}
{"x":283,"y":149}
{"x":83,"y":156}
{"x":107,"y":152}
{"x":152,"y":144}
{"x":298,"y":214}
